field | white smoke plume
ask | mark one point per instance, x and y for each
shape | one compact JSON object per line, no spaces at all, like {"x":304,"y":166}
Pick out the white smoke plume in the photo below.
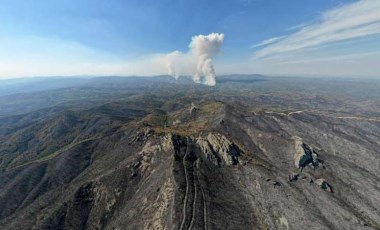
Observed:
{"x":198,"y":60}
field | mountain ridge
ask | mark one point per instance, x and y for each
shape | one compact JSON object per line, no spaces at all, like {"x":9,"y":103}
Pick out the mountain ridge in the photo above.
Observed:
{"x":136,"y":167}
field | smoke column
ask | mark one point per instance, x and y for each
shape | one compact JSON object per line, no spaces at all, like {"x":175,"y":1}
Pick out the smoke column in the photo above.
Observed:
{"x":198,"y":61}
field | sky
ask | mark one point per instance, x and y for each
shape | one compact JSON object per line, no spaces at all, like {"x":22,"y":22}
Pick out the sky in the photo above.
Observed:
{"x":135,"y":37}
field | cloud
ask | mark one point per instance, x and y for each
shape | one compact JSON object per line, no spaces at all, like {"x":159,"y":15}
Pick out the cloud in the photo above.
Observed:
{"x":363,"y":65}
{"x":267,"y":42}
{"x":350,"y":21}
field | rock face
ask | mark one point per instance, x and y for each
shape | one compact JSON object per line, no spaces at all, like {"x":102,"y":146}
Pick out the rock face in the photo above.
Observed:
{"x":218,"y":149}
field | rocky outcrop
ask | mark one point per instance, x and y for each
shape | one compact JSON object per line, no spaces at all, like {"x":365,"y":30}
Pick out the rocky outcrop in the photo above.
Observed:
{"x":141,"y":135}
{"x":218,"y":149}
{"x":147,"y":155}
{"x":304,"y":154}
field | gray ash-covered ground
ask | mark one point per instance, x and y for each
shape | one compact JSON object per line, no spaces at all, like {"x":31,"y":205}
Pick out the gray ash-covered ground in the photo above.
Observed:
{"x":252,"y":152}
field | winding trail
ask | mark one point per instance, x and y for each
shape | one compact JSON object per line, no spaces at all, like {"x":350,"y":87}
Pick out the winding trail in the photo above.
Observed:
{"x":204,"y":200}
{"x":195,"y":196}
{"x":197,"y":187}
{"x":54,"y":154}
{"x":187,"y":185}
{"x":326,"y":115}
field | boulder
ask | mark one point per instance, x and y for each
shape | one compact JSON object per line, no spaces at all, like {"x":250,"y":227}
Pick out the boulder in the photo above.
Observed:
{"x":293,"y":177}
{"x":324,"y":185}
{"x":193,"y":109}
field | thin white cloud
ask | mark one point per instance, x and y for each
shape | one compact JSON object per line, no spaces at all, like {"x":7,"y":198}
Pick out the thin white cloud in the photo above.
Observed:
{"x":356,"y":20}
{"x":355,"y":65}
{"x":297,"y":27}
{"x":267,"y":42}
{"x":348,"y":58}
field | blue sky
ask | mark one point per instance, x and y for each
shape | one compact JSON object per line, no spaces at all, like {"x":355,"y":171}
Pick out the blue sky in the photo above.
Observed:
{"x":125,"y":37}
